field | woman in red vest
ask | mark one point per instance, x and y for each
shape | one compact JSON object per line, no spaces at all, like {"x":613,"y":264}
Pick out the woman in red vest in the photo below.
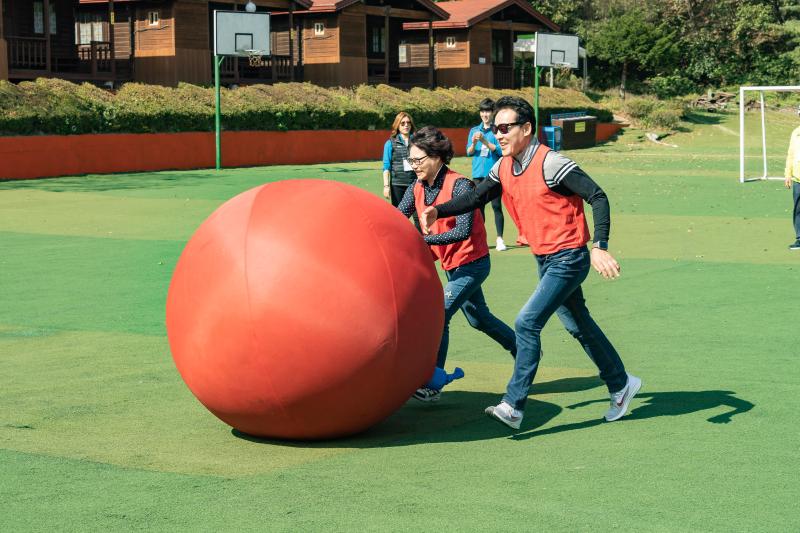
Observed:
{"x":546,"y":191}
{"x":458,"y":243}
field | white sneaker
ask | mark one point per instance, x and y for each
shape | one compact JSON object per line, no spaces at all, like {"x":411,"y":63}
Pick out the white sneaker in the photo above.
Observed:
{"x":501,"y":246}
{"x":505,"y":414}
{"x":621,"y":399}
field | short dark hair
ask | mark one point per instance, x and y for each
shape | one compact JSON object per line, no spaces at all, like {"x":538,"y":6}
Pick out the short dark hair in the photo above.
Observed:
{"x":433,"y":142}
{"x":487,"y":104}
{"x":520,"y":105}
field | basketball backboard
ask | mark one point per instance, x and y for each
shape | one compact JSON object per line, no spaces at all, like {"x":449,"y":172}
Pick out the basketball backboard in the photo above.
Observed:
{"x":557,"y":50}
{"x":239,"y":33}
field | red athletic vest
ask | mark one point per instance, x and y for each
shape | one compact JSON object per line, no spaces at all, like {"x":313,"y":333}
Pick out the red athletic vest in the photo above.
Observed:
{"x":459,"y":253}
{"x":550,"y":221}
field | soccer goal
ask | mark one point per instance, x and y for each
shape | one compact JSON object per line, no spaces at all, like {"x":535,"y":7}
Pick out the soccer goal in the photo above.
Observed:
{"x":743,"y":104}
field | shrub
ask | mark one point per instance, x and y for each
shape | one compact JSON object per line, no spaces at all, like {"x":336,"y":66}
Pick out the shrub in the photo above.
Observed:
{"x":52,"y":106}
{"x":671,"y":86}
{"x":649,"y":112}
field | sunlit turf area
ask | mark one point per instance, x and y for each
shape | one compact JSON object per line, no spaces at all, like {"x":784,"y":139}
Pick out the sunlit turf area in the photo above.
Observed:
{"x":98,"y":432}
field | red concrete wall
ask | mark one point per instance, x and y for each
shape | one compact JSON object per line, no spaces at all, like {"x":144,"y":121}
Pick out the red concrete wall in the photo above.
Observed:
{"x":50,"y":156}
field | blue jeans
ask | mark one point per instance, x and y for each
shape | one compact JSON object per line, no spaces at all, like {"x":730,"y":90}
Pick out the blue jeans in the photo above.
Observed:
{"x":463,"y":291}
{"x":559,"y":291}
{"x":796,"y":198}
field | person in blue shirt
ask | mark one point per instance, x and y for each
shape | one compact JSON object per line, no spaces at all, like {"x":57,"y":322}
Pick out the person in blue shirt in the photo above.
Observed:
{"x":397,"y":173}
{"x":484,"y":149}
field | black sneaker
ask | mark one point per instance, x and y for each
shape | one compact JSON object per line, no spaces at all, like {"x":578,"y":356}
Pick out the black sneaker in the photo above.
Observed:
{"x":425,"y":394}
{"x":795,"y":245}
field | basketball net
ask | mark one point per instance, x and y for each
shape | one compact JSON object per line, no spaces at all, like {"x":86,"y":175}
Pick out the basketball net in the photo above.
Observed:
{"x":256,"y":58}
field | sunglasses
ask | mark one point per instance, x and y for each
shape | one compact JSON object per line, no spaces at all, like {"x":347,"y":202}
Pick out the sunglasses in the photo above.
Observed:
{"x":405,"y":123}
{"x":503,"y":128}
{"x":416,"y":162}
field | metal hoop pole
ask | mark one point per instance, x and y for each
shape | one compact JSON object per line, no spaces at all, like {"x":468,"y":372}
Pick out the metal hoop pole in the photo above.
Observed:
{"x":217,"y":114}
{"x":536,"y":100}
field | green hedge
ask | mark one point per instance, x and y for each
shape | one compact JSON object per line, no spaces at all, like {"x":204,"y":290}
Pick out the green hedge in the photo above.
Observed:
{"x":53,"y":106}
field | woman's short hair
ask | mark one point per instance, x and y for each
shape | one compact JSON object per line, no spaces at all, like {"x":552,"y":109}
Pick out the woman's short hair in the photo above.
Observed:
{"x":399,"y":118}
{"x":434,"y":143}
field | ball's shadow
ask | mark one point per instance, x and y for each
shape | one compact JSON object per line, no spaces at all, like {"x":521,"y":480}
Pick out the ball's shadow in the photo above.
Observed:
{"x":457,"y":417}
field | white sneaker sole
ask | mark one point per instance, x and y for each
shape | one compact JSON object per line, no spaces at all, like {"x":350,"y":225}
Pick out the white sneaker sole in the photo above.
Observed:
{"x":428,"y":400}
{"x":633,"y":389}
{"x":513,"y":424}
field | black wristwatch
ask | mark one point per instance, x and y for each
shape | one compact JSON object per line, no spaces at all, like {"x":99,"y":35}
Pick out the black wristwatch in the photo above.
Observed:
{"x":603,"y":245}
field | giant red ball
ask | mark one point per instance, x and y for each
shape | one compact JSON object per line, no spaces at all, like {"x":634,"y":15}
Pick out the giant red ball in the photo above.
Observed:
{"x":304,"y":309}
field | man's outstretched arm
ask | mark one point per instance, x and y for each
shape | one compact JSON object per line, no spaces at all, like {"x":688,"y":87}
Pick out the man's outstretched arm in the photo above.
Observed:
{"x":487,"y":191}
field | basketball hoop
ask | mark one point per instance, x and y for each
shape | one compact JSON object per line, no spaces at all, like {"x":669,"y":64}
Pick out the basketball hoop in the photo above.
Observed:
{"x":256,"y":57}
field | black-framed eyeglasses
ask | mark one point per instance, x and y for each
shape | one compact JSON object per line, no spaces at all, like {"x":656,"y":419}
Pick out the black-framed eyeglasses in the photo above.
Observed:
{"x":503,"y":128}
{"x":416,"y":161}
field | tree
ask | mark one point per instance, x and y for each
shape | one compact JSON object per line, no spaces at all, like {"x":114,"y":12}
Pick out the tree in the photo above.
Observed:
{"x":629,"y":41}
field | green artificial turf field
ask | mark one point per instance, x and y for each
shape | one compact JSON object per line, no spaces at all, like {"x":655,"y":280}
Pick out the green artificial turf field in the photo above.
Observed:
{"x":98,"y":432}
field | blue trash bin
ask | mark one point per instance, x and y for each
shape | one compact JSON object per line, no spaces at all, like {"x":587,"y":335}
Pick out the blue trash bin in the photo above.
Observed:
{"x":552,"y":137}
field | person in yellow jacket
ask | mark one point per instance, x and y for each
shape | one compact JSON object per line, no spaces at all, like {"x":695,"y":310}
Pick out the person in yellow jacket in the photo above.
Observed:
{"x":792,"y":179}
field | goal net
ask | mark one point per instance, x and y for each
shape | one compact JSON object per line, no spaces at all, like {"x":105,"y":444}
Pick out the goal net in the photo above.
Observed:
{"x":774,"y":141}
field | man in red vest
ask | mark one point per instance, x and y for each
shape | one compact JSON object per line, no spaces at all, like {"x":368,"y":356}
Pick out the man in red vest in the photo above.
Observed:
{"x":458,"y":243}
{"x":544,"y":192}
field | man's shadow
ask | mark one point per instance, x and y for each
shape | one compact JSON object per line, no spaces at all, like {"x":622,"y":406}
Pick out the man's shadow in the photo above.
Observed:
{"x":676,"y":403}
{"x":457,"y":417}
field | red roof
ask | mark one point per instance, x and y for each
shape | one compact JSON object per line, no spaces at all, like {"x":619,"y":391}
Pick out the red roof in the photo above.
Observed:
{"x":330,"y":6}
{"x":466,"y":13}
{"x":303,"y":3}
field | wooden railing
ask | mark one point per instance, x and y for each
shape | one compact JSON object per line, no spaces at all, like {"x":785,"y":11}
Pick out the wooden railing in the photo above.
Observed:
{"x":274,"y":68}
{"x":28,"y":53}
{"x":99,"y":55}
{"x":27,"y":56}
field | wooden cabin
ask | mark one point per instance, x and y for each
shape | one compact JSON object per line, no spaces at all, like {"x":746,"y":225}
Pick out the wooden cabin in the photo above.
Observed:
{"x":404,"y":43}
{"x":153,"y":41}
{"x":174,"y":43}
{"x":475,"y":43}
{"x":38,"y":38}
{"x":352,"y":42}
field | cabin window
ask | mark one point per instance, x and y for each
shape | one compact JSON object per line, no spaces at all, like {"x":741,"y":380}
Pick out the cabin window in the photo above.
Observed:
{"x":498,"y":49}
{"x":319,"y":29}
{"x":38,"y":18}
{"x":153,"y":18}
{"x":378,"y":39}
{"x":88,"y":28}
{"x":450,"y":42}
{"x":402,"y":52}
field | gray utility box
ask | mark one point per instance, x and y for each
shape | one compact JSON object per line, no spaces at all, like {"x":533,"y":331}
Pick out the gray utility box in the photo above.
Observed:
{"x":576,"y":132}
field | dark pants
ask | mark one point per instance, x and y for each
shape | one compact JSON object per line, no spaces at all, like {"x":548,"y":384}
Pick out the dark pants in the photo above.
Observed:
{"x":559,"y":291}
{"x":397,"y":192}
{"x":463,"y":291}
{"x":497,"y":206}
{"x":796,"y":196}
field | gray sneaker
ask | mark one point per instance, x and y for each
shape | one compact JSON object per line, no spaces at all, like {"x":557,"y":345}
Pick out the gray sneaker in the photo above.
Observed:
{"x":506,"y":414}
{"x":795,"y":245}
{"x":621,"y":399}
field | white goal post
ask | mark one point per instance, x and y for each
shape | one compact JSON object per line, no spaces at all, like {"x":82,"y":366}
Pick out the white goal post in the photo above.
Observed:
{"x":760,"y":89}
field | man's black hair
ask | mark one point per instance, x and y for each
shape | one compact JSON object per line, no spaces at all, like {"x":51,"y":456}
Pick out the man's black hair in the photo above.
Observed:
{"x":487,"y":104}
{"x":520,"y":105}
